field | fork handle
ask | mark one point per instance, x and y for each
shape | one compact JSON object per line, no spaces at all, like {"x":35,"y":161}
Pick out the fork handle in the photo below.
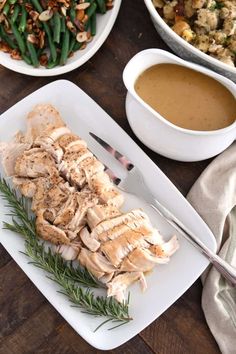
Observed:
{"x":224,"y":268}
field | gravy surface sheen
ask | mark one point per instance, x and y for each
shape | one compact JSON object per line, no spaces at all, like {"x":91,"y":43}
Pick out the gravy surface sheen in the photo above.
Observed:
{"x":186,"y":98}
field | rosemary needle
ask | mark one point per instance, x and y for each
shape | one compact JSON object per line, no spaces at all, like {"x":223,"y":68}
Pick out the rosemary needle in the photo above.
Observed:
{"x":63,"y":273}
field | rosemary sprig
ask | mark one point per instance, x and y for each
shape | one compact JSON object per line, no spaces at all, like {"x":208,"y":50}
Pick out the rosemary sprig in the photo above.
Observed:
{"x":49,"y":261}
{"x":62,"y":272}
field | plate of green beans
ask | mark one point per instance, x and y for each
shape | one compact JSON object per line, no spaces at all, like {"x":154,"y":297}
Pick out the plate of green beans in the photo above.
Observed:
{"x":52,"y":37}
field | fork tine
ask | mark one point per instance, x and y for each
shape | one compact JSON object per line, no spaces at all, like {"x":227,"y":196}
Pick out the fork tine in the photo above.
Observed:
{"x":116,"y":180}
{"x":118,"y":156}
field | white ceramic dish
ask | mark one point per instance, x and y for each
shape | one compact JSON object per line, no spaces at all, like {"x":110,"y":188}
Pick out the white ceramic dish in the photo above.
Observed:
{"x":184,"y":49}
{"x":158,"y":133}
{"x":166,"y":283}
{"x":104,"y":25}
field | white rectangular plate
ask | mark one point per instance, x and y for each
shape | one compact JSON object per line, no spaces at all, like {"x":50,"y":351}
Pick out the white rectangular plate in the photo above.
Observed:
{"x":167,"y":282}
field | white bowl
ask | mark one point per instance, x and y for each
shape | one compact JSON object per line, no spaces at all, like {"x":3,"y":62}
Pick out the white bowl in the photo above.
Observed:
{"x":159,"y":134}
{"x":186,"y":50}
{"x":104,"y":25}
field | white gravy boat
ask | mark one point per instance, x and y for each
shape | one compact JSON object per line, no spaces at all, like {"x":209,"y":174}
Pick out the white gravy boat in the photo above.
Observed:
{"x":159,"y":134}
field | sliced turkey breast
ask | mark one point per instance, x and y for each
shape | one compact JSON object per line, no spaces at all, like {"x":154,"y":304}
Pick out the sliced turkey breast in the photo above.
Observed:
{"x":91,"y":166}
{"x":67,"y":211}
{"x":106,"y":278}
{"x":50,"y":214}
{"x":133,"y":215}
{"x":68,"y":252}
{"x":142,"y":260}
{"x":112,"y":197}
{"x":71,"y":142}
{"x":53,"y":149}
{"x":99,"y":182}
{"x":49,"y":232}
{"x":42,"y":118}
{"x":152,"y":236}
{"x":49,"y":194}
{"x":35,"y":163}
{"x":9,"y":153}
{"x":70,"y":169}
{"x":166,"y":249}
{"x":26,"y":186}
{"x":91,"y":243}
{"x":85,"y":200}
{"x":121,"y":282}
{"x":100,"y":213}
{"x":116,"y":250}
{"x":95,"y":262}
{"x":51,"y":136}
{"x":73,"y":158}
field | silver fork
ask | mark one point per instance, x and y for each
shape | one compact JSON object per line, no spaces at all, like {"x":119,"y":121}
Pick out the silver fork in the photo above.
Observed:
{"x":133,"y":179}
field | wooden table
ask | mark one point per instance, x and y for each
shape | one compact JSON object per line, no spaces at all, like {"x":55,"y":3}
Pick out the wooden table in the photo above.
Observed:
{"x":28,"y":323}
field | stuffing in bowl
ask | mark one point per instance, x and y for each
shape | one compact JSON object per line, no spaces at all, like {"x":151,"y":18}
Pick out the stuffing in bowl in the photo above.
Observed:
{"x":201,"y":31}
{"x":209,"y":25}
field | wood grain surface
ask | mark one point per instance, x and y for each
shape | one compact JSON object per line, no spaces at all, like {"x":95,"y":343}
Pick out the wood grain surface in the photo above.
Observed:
{"x":28,"y":323}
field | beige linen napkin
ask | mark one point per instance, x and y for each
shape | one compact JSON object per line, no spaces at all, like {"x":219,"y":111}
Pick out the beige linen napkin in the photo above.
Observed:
{"x":214,"y":197}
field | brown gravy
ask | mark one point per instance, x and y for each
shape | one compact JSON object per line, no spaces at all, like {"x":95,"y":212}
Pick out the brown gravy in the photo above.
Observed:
{"x":186,"y":97}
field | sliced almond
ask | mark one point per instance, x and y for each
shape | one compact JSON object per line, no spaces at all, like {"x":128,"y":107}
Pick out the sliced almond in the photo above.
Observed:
{"x":43,"y":59}
{"x":41,"y":39}
{"x":83,"y":46}
{"x":34,"y":15}
{"x":15,"y":54}
{"x":83,"y":6}
{"x":2,"y":17}
{"x":70,"y":26}
{"x":82,"y":37}
{"x":4,"y":47}
{"x":90,"y":38}
{"x":109,"y":5}
{"x":32,"y":39}
{"x":46,"y":15}
{"x":63,"y":10}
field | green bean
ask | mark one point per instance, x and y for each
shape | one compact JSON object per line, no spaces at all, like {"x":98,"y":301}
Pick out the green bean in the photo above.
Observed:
{"x":40,"y":52}
{"x":56,"y":27}
{"x":51,"y":64}
{"x":65,"y":47}
{"x":91,"y":10}
{"x":51,"y":22}
{"x":63,"y":24}
{"x":12,"y":2}
{"x":72,"y":43}
{"x":15,"y":13}
{"x":19,"y":39}
{"x":72,"y":13}
{"x":7,"y":38}
{"x":52,"y":46}
{"x":22,"y":24}
{"x":6,"y":9}
{"x":77,"y":46}
{"x":86,"y":26}
{"x":93,"y":24}
{"x":101,"y":6}
{"x":37,"y":5}
{"x":26,"y":58}
{"x":33,"y":53}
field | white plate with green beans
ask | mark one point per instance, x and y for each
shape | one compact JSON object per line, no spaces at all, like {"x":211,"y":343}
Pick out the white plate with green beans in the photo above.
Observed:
{"x":85,"y":311}
{"x":52,"y":37}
